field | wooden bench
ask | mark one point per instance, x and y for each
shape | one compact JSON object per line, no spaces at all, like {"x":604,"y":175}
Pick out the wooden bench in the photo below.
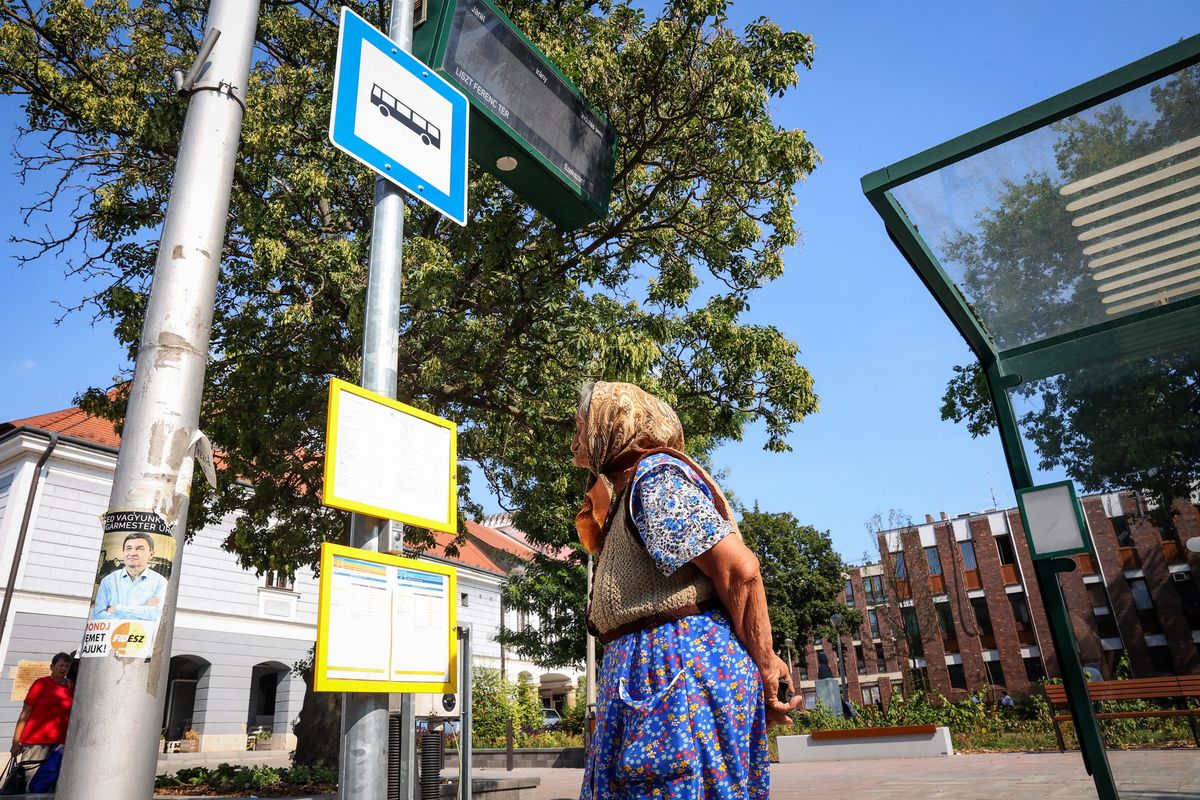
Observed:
{"x":873,"y":733}
{"x":1182,"y":690}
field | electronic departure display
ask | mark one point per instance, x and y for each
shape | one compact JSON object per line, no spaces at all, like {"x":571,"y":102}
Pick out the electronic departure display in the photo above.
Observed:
{"x":492,"y":63}
{"x":530,"y":126}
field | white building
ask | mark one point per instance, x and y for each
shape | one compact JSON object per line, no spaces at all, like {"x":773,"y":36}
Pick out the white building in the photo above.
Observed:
{"x":237,"y":634}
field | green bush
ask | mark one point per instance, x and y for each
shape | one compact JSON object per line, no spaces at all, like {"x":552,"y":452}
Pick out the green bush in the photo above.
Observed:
{"x":491,"y":706}
{"x":574,"y":716}
{"x":234,"y":778}
{"x":528,"y":715}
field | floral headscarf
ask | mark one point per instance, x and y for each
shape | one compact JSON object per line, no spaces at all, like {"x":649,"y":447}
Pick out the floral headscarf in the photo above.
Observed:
{"x":621,"y":424}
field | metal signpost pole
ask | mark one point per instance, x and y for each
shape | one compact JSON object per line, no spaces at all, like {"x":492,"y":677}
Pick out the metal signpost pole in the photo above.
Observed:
{"x":112,"y":742}
{"x":465,"y":691}
{"x":363,"y":766}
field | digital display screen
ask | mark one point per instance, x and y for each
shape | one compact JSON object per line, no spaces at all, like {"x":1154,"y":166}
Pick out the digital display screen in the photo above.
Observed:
{"x":491,"y":63}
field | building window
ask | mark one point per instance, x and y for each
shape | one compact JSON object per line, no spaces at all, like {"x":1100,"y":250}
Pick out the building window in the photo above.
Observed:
{"x":995,"y":673}
{"x":849,"y":594}
{"x":873,"y":619}
{"x":465,"y":599}
{"x":1145,"y":606}
{"x":1106,"y":627}
{"x":1141,"y":594}
{"x":870,"y":695}
{"x":1099,"y":596}
{"x":901,"y":566}
{"x":1167,"y":531}
{"x":1004,"y":547}
{"x":1160,"y":659}
{"x":277,"y":580}
{"x":934,"y":559}
{"x":912,"y":630}
{"x":1020,"y":611}
{"x":860,"y":659}
{"x":921,"y":679}
{"x":873,"y":586}
{"x":880,"y":661}
{"x":958,"y":676}
{"x":982,"y":618}
{"x":1189,"y":598}
{"x":1122,"y":531}
{"x":1035,"y":670}
{"x":945,"y":620}
{"x":968,"y":555}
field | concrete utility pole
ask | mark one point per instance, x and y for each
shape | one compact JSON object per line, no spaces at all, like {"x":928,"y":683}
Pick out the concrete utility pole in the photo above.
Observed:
{"x":112,"y":742}
{"x":363,"y":767}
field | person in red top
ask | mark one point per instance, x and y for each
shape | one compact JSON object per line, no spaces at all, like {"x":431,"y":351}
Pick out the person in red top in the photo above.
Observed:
{"x":42,"y":725}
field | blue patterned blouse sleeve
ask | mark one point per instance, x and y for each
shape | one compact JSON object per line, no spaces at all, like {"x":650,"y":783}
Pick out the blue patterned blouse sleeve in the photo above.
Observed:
{"x":674,"y":512}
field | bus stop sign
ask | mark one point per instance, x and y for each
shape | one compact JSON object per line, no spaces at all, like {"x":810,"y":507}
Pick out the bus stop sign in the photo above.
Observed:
{"x":400,"y":118}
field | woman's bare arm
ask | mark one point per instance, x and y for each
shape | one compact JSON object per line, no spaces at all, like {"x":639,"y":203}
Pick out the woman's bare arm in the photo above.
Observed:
{"x":21,"y":720}
{"x":734,"y":571}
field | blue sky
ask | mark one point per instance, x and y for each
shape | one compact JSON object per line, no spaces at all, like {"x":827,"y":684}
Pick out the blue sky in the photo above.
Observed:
{"x":890,"y":79}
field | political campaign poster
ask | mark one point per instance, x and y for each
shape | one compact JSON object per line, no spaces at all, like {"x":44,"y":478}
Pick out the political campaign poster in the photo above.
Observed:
{"x":137,"y":556}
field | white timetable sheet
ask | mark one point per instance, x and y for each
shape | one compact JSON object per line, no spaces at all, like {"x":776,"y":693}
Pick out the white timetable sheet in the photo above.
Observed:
{"x":387,"y":459}
{"x":385,"y":623}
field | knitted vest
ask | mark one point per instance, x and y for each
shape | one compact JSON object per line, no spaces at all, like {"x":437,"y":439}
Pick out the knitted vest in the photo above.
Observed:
{"x":630,"y":594}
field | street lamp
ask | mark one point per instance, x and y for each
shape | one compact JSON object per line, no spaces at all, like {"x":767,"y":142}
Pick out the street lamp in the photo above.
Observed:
{"x":836,"y":619}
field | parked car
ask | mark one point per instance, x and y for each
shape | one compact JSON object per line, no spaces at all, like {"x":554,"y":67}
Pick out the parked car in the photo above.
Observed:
{"x":552,"y":719}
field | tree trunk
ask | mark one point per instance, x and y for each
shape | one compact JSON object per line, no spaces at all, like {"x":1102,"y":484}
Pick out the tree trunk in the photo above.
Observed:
{"x":319,"y":727}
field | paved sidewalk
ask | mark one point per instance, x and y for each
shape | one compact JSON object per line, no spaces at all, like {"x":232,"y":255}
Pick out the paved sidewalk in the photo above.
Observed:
{"x":1140,"y":775}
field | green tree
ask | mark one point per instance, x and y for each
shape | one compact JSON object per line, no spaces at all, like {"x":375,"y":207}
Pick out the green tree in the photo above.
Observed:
{"x":1128,"y":424}
{"x":802,"y":575}
{"x":502,"y":319}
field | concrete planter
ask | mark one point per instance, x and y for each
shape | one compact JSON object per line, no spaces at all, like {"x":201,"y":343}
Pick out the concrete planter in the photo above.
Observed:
{"x":913,"y":741}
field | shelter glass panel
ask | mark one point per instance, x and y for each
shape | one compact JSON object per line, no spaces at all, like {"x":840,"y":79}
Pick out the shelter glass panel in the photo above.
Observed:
{"x":1089,"y":219}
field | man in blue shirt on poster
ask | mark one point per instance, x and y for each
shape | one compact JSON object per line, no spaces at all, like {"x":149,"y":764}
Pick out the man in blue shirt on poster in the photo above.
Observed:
{"x":135,"y":592}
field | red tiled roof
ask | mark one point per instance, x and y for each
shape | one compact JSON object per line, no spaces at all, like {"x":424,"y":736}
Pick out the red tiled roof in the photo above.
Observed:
{"x":469,"y":553}
{"x":71,"y":422}
{"x":500,"y":541}
{"x":519,"y":536}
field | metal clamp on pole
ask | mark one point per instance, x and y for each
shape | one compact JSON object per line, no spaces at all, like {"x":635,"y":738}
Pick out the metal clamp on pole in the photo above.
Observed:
{"x":185,"y":84}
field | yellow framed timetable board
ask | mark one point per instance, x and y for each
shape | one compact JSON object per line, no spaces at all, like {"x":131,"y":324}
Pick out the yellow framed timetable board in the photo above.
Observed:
{"x":389,"y":460}
{"x":385,"y":624}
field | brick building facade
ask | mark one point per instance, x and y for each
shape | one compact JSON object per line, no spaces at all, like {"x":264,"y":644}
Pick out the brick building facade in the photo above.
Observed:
{"x":955,"y":604}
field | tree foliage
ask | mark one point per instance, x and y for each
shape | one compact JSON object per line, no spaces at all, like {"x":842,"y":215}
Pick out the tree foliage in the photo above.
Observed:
{"x":1129,"y":423}
{"x":502,"y":319}
{"x":802,"y":575}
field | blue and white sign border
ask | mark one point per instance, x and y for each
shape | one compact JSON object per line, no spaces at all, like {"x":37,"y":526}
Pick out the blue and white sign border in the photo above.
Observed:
{"x":342,"y":118}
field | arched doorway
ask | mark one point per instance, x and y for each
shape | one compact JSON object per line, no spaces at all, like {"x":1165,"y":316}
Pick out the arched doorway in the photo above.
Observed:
{"x":183,"y":675}
{"x":556,"y":691}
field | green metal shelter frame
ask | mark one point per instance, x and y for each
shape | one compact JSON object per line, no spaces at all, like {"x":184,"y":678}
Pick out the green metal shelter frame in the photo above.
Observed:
{"x":1100,"y":329}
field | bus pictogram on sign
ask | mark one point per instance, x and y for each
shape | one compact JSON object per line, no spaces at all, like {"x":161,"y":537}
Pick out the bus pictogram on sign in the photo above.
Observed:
{"x":389,"y":106}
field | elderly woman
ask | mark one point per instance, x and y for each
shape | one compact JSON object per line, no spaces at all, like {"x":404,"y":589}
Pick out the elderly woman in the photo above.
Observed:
{"x":42,"y":724}
{"x":689,"y":681}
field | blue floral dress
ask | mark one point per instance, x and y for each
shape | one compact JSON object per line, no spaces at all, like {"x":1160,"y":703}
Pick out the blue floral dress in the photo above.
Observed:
{"x":680,"y":711}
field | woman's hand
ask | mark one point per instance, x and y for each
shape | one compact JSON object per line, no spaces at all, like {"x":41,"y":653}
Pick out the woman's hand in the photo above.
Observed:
{"x":16,"y":748}
{"x":736,"y":576}
{"x":777,"y":711}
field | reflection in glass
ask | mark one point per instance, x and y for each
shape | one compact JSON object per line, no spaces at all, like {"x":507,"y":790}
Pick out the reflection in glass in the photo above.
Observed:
{"x":1126,"y":425}
{"x":1089,"y":219}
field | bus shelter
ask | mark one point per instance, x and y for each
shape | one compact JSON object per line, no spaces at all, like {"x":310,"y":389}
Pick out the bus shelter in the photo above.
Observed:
{"x":1063,"y":242}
